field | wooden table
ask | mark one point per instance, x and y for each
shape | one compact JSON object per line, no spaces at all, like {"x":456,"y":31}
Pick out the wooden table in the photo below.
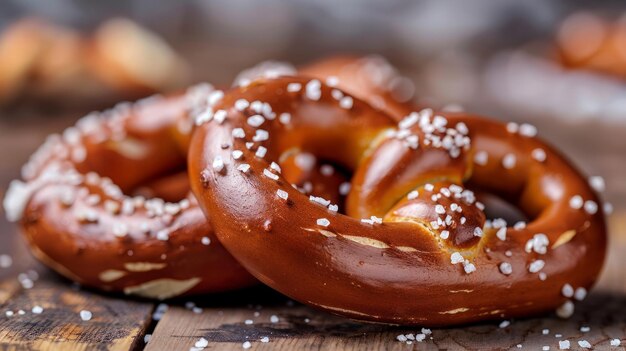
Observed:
{"x":228,"y":321}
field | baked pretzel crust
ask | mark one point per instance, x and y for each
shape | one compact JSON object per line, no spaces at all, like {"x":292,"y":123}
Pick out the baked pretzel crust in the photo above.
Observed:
{"x":413,"y":245}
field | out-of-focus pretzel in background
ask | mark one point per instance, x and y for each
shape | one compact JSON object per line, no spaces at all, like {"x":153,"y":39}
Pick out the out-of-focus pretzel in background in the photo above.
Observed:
{"x":586,"y":40}
{"x":119,"y":60}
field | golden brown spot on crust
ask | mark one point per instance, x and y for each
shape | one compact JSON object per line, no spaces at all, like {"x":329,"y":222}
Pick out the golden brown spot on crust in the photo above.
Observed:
{"x":129,"y":148}
{"x":461,"y":291}
{"x":162,"y":288}
{"x":377,"y":139}
{"x":110,"y":275}
{"x":455,"y":311}
{"x":367,"y":241}
{"x":406,"y":249}
{"x":342,"y":310}
{"x":327,"y":233}
{"x":324,"y":232}
{"x":288,"y":153}
{"x":564,"y":238}
{"x":144,"y":266}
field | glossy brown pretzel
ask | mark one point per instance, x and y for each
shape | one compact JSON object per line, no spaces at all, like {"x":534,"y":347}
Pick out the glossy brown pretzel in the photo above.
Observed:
{"x":120,"y":59}
{"x":588,"y":41}
{"x":78,"y":220}
{"x":370,"y":78}
{"x":414,"y":245}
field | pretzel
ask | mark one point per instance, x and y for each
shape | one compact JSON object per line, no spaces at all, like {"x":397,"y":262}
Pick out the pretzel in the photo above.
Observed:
{"x":46,"y":61}
{"x":412,"y":245}
{"x":20,"y":47}
{"x":118,"y":53}
{"x":370,"y":78}
{"x":587,"y":41}
{"x":77,"y":219}
{"x":152,"y":244}
{"x":155,"y":242}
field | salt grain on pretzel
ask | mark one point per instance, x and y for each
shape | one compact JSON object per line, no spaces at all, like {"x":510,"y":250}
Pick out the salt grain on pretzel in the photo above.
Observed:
{"x":78,"y":220}
{"x":402,"y":271}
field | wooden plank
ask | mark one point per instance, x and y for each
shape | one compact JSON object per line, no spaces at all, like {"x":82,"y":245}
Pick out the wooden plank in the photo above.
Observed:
{"x":613,"y":278}
{"x":18,"y":140}
{"x":117,"y":324}
{"x":223,"y":322}
{"x":8,"y":289}
{"x":302,"y":328}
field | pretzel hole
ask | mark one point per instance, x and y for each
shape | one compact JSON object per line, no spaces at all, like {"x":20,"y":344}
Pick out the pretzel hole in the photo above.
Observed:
{"x":322,"y":178}
{"x":158,"y":171}
{"x":499,"y":207}
{"x":172,"y":186}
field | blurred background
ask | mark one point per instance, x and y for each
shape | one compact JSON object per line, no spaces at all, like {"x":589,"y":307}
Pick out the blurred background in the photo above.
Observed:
{"x":558,"y":64}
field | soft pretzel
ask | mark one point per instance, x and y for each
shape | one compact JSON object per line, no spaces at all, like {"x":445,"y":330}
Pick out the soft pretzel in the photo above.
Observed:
{"x":20,"y":47}
{"x":132,"y":59}
{"x":587,"y":41}
{"x":154,"y":242}
{"x":370,"y":78}
{"x":413,"y":245}
{"x":78,"y":220}
{"x":120,"y":59}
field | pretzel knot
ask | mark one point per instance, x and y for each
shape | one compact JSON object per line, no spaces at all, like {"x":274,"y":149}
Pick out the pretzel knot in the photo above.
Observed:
{"x":412,"y":243}
{"x":107,"y":202}
{"x":103,"y":204}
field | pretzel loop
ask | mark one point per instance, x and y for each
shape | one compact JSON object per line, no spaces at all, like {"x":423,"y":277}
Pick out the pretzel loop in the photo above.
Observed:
{"x":107,"y":203}
{"x":414,"y":245}
{"x":83,"y":213}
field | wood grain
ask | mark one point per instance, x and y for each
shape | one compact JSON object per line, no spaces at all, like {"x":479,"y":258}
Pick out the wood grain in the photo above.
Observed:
{"x":301,"y":328}
{"x":117,"y":324}
{"x":222,"y":322}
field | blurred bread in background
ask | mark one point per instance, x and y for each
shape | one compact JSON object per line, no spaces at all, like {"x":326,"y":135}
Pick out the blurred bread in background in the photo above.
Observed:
{"x":120,"y":60}
{"x":588,"y":41}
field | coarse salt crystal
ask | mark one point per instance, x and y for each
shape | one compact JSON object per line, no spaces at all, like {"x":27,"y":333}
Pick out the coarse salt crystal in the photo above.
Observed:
{"x":324,"y":222}
{"x":282,"y":194}
{"x":244,"y":167}
{"x":566,"y":310}
{"x":85,"y":315}
{"x":456,"y":258}
{"x":260,"y":152}
{"x":538,"y":155}
{"x":346,"y":102}
{"x":505,"y":268}
{"x":576,"y":202}
{"x":536,"y":265}
{"x":313,"y":90}
{"x":509,"y":161}
{"x":294,"y":87}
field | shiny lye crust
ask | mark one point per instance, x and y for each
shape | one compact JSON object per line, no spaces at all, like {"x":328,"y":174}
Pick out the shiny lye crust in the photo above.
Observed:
{"x":78,"y":220}
{"x":412,"y":245}
{"x":75,"y":211}
{"x":370,"y":78}
{"x":588,"y":41}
